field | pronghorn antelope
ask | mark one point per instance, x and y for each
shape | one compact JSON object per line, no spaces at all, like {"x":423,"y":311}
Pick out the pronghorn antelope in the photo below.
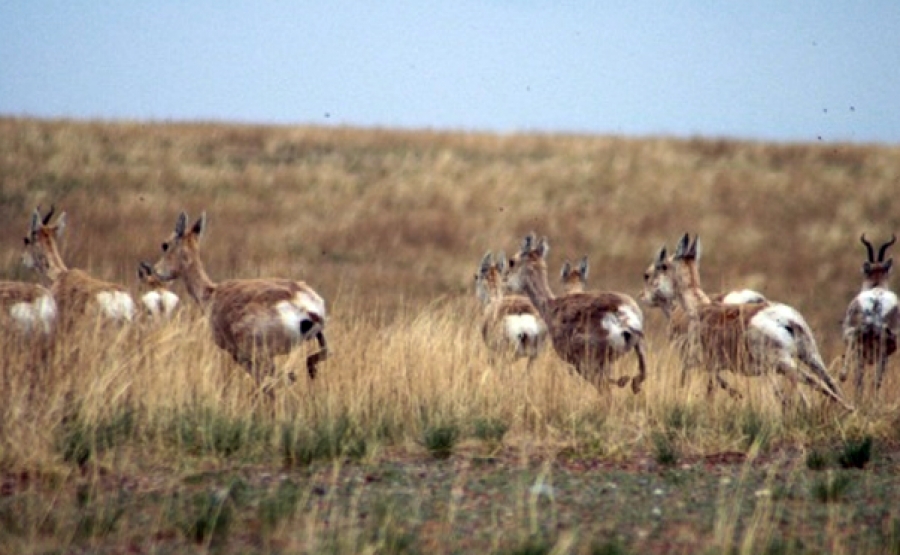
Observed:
{"x":159,"y":301}
{"x":511,"y":327}
{"x":574,"y":280}
{"x":253,"y":320}
{"x":27,"y":308}
{"x":746,"y":338}
{"x":588,"y":330}
{"x":872,"y":321}
{"x":76,"y":293}
{"x":659,"y":292}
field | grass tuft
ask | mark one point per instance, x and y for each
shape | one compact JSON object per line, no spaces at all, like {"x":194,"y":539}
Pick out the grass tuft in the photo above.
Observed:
{"x":440,"y":440}
{"x":856,"y":453}
{"x":816,"y":460}
{"x":665,"y":451}
{"x":832,"y":488}
{"x":490,"y":430}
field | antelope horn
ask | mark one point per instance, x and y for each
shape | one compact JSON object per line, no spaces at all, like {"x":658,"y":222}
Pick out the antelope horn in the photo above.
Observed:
{"x":885,"y":246}
{"x":869,"y":248}
{"x":49,"y":215}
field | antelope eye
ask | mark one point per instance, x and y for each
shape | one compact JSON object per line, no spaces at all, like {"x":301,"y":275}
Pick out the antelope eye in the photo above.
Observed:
{"x":27,"y":241}
{"x":646,"y":276}
{"x":165,"y":247}
{"x":664,"y":267}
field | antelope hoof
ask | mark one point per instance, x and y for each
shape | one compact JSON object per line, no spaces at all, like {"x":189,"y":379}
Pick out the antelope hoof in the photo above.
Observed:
{"x":312,"y":370}
{"x":736,"y":395}
{"x":292,"y":377}
{"x":623,"y":381}
{"x":636,"y":385}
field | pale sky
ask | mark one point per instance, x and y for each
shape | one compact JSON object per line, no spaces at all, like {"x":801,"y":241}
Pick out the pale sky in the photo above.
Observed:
{"x":782,"y":70}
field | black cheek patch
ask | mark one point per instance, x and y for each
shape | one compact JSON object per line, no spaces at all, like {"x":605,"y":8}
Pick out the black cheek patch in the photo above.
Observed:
{"x":305,"y":326}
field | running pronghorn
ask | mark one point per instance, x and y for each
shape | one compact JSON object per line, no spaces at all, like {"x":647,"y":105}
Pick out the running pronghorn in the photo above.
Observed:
{"x":511,"y":327}
{"x":159,"y":301}
{"x":872,"y":321}
{"x":659,"y":292}
{"x":574,"y":279}
{"x":253,"y":320}
{"x":76,"y":293}
{"x":588,"y":330}
{"x":746,"y":338}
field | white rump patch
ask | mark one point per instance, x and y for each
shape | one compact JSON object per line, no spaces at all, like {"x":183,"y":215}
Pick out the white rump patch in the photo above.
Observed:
{"x":615,"y":331}
{"x":775,"y":323}
{"x":294,"y":312}
{"x":877,"y":301}
{"x":160,"y":303}
{"x":518,"y":325}
{"x":744,"y":296}
{"x":116,"y":305}
{"x":37,"y":315}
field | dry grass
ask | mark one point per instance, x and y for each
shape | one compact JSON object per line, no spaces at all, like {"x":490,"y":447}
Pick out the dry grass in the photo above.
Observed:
{"x":389,"y":227}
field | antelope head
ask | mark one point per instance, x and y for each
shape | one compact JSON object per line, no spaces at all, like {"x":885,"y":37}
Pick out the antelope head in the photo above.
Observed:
{"x":659,"y":282}
{"x":876,"y":269}
{"x":528,"y":264}
{"x":574,"y":280}
{"x":41,"y":253}
{"x":181,"y":251}
{"x":490,"y":277}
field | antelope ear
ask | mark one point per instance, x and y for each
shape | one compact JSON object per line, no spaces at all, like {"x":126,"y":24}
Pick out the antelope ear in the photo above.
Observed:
{"x":60,"y":224}
{"x":661,"y":256}
{"x":696,"y":249}
{"x":35,"y":222}
{"x":500,"y":262}
{"x":181,"y":224}
{"x":565,"y":271}
{"x":682,"y":248}
{"x":527,"y":243}
{"x":199,"y":225}
{"x":143,"y":270}
{"x":485,"y":263}
{"x":866,"y":268}
{"x":584,"y":267}
{"x":543,"y":247}
{"x":887,"y":264}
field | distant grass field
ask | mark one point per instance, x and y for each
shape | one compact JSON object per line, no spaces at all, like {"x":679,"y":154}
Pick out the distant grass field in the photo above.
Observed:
{"x":150,"y":440}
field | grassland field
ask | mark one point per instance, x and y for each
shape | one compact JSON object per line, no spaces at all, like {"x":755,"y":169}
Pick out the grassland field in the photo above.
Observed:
{"x":148,"y":439}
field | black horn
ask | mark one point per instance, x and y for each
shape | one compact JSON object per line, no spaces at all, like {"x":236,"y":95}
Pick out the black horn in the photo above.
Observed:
{"x":869,"y":248}
{"x":49,"y":215}
{"x":885,"y":246}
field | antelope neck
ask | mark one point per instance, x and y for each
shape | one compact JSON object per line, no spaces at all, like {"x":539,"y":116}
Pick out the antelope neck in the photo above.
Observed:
{"x":197,"y":282}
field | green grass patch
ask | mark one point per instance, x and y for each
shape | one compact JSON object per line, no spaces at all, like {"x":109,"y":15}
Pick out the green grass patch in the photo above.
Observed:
{"x":832,"y":488}
{"x":440,"y":440}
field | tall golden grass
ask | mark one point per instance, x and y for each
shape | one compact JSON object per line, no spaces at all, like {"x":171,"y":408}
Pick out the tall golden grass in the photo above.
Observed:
{"x":389,"y":227}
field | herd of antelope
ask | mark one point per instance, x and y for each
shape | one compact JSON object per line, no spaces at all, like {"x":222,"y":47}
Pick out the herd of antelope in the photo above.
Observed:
{"x":255,"y":320}
{"x":741,"y":331}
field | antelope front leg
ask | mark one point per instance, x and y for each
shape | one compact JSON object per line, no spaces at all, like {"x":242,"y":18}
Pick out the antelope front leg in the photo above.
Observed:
{"x":860,"y":374}
{"x":879,"y":370}
{"x":317,"y":357}
{"x":849,"y":352}
{"x":638,"y":380}
{"x":734,"y":393}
